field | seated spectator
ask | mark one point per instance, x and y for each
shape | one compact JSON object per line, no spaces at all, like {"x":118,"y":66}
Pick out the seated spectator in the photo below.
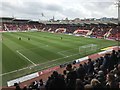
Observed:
{"x":41,"y":85}
{"x":96,"y":84}
{"x":25,"y":87}
{"x":101,"y":77}
{"x":33,"y":85}
{"x":79,"y":85}
{"x":88,"y":87}
{"x":86,"y":80}
{"x":17,"y":86}
{"x":111,"y":83}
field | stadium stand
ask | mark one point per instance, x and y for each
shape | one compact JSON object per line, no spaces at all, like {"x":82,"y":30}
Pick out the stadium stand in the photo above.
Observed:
{"x":11,"y":24}
{"x":101,"y":73}
{"x":97,"y":29}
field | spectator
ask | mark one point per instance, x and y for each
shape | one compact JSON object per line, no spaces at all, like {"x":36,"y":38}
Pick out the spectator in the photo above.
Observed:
{"x":79,"y":85}
{"x":41,"y":85}
{"x":17,"y":86}
{"x":85,"y":67}
{"x":111,"y":83}
{"x":77,"y":79}
{"x":57,"y":82}
{"x":113,"y":60}
{"x":86,"y":80}
{"x":71,"y":78}
{"x":96,"y":84}
{"x":106,"y":63}
{"x":48,"y":83}
{"x":90,"y":67}
{"x":81,"y":72}
{"x":101,"y":77}
{"x":88,"y":87}
{"x":25,"y":87}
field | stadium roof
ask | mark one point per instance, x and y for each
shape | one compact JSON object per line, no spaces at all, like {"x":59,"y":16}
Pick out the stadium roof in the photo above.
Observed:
{"x":23,"y":20}
{"x":111,"y":22}
{"x":80,"y":22}
{"x":6,"y":18}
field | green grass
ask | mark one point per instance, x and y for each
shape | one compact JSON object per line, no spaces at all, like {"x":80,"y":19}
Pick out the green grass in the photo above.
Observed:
{"x":44,"y":48}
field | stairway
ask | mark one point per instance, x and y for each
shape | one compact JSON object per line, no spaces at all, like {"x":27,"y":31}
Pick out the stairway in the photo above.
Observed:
{"x":107,"y":34}
{"x":6,"y":29}
{"x":90,"y":32}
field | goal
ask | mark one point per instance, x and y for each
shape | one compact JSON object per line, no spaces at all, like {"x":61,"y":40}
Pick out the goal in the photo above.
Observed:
{"x":87,"y":48}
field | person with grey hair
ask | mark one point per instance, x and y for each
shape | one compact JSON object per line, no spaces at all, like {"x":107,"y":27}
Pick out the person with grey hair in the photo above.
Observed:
{"x":96,"y":84}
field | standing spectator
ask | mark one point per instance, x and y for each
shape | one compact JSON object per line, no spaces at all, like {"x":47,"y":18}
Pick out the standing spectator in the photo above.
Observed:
{"x":106,"y":63}
{"x":57,"y":82}
{"x":48,"y":83}
{"x":100,"y":60}
{"x":81,"y":72}
{"x":90,"y":67}
{"x":113,"y":60}
{"x":85,"y":66}
{"x":71,"y":77}
{"x":118,"y":56}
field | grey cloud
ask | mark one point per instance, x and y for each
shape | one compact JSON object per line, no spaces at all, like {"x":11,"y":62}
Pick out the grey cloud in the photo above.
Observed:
{"x":32,"y":8}
{"x":65,"y":8}
{"x":103,"y":5}
{"x":73,"y":13}
{"x":37,"y":6}
{"x":7,"y":6}
{"x":53,"y":7}
{"x":97,"y":6}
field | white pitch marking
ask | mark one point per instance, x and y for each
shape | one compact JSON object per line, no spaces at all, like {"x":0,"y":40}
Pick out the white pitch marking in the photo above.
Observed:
{"x":37,"y":64}
{"x":26,"y":57}
{"x":61,"y":53}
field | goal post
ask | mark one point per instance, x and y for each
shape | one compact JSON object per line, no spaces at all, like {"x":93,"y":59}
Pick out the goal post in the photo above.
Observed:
{"x":87,"y":48}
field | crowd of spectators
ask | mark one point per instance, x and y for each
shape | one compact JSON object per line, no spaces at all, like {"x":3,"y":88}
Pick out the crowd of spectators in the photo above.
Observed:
{"x":98,"y":31}
{"x":20,"y":27}
{"x":104,"y":72}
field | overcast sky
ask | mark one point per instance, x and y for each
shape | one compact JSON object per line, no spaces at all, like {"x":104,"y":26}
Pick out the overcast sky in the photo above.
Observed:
{"x":60,"y":9}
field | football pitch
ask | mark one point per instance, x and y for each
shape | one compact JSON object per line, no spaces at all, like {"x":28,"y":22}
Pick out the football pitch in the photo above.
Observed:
{"x":27,"y":52}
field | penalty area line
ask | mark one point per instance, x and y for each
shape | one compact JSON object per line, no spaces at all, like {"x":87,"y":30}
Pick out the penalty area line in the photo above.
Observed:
{"x":25,"y":57}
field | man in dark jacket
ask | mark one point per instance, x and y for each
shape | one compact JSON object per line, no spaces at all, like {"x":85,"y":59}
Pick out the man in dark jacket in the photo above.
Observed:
{"x":90,"y":67}
{"x":81,"y":72}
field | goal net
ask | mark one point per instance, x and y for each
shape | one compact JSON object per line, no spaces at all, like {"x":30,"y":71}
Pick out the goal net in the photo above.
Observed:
{"x":88,"y":49}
